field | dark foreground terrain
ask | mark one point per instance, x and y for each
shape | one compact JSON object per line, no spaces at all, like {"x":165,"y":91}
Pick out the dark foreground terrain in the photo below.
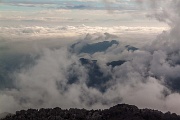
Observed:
{"x":118,"y":112}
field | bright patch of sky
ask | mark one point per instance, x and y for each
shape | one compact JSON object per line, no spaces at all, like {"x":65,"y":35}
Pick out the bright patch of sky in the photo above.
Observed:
{"x":66,"y":4}
{"x":74,"y":12}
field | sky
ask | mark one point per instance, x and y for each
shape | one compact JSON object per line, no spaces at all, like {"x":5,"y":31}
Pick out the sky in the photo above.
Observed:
{"x":76,"y":12}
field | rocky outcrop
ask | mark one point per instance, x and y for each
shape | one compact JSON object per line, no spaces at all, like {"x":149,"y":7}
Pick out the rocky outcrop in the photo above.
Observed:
{"x":118,"y":112}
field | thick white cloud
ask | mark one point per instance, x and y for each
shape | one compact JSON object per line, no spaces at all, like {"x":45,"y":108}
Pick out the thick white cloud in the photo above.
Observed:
{"x":25,"y":39}
{"x":46,"y":83}
{"x":73,"y":31}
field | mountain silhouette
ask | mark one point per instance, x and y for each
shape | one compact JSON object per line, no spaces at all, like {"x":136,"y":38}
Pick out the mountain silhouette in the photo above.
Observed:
{"x":118,"y":112}
{"x":94,"y":47}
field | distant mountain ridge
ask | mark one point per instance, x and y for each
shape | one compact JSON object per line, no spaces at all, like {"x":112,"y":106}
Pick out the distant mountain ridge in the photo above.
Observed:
{"x":91,"y":48}
{"x":94,"y":47}
{"x":118,"y":112}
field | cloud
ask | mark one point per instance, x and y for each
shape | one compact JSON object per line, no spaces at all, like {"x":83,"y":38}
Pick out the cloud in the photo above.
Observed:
{"x":45,"y":84}
{"x":76,"y":30}
{"x":148,"y":78}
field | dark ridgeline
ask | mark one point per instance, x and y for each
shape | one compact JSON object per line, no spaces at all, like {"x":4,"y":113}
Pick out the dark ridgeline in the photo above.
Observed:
{"x":118,"y":112}
{"x":116,"y":63}
{"x":92,"y":48}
